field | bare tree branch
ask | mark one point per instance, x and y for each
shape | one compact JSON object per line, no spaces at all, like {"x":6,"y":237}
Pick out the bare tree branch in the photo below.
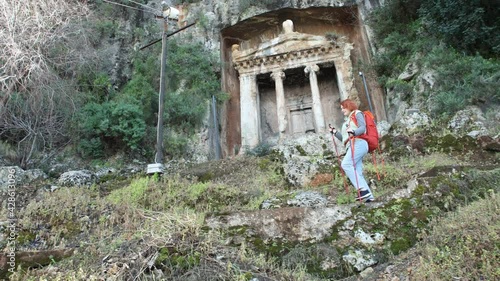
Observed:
{"x":26,"y":27}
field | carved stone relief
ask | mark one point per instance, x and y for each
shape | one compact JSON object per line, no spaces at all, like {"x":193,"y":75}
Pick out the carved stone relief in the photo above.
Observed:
{"x":283,"y":107}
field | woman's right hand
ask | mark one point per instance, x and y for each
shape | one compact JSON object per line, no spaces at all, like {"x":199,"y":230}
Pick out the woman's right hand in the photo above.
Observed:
{"x":332,"y":129}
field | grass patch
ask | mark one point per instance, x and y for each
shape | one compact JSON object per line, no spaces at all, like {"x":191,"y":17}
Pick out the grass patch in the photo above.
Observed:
{"x":463,"y":244}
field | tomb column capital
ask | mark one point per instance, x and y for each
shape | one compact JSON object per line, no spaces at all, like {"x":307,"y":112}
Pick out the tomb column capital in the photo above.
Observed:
{"x":311,"y":68}
{"x":278,"y":75}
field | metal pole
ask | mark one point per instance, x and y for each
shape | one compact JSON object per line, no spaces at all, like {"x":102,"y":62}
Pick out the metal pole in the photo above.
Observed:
{"x":366,"y":91}
{"x":216,"y":130}
{"x":159,"y":132}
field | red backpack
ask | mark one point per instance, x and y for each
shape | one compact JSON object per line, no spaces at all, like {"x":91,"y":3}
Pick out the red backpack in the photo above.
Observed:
{"x":371,"y":135}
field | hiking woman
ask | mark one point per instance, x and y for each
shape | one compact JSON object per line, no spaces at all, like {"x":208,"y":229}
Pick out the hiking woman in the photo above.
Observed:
{"x":356,"y":148}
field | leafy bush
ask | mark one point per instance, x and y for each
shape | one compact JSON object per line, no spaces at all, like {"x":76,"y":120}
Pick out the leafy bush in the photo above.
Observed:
{"x":140,"y":91}
{"x":466,"y":25}
{"x":395,"y":27}
{"x":176,"y":145}
{"x":394,"y":17}
{"x":444,"y":36}
{"x":192,"y":70}
{"x":111,"y":124}
{"x":184,"y":112}
{"x":462,"y":80}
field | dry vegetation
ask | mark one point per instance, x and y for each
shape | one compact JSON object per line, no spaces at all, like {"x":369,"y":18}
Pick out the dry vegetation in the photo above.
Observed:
{"x":151,"y":228}
{"x":36,"y":102}
{"x":26,"y":28}
{"x":463,"y":243}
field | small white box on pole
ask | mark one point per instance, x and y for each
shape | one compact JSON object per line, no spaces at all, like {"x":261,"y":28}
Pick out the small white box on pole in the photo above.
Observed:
{"x":155,"y":168}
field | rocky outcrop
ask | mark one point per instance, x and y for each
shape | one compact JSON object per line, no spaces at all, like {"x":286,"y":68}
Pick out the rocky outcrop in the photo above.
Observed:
{"x":13,"y":175}
{"x":355,"y":228}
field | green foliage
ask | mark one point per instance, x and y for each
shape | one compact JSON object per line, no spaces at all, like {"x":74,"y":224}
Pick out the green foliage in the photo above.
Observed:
{"x":400,"y":86}
{"x":105,"y":28}
{"x":466,"y":25}
{"x":101,"y":86}
{"x":184,"y":112}
{"x":128,"y":124}
{"x":140,"y":91}
{"x":430,"y":30}
{"x":97,"y":85}
{"x":92,"y":147}
{"x":110,"y":124}
{"x":394,"y":17}
{"x":193,"y":69}
{"x":176,"y":145}
{"x":147,"y":65}
{"x":395,"y":26}
{"x":133,"y":194}
{"x":462,"y":80}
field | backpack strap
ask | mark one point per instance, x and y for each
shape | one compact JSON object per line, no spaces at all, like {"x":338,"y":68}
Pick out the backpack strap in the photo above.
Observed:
{"x":353,"y":117}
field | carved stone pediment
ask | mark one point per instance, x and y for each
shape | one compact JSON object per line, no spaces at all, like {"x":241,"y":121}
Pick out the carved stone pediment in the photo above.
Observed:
{"x":290,"y":49}
{"x":284,"y":44}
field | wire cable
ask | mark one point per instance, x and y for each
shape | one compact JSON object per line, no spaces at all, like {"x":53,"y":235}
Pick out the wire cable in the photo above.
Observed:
{"x":123,"y":5}
{"x":145,"y":6}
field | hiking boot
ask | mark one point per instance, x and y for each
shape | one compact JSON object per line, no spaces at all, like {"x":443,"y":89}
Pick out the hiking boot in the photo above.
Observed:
{"x":364,"y":194}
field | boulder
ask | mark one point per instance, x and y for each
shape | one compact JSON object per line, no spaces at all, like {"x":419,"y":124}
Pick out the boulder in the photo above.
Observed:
{"x":77,"y":178}
{"x":14,"y":175}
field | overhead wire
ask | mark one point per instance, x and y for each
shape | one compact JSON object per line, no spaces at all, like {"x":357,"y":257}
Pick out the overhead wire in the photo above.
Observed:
{"x":145,"y":6}
{"x":123,"y":5}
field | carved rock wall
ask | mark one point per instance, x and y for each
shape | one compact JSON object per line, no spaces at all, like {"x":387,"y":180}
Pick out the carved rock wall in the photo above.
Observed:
{"x":228,"y":23}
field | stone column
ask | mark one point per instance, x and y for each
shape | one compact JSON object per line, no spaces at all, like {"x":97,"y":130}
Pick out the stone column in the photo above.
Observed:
{"x":249,"y":110}
{"x":278,"y":77}
{"x":343,"y":67}
{"x":317,"y":108}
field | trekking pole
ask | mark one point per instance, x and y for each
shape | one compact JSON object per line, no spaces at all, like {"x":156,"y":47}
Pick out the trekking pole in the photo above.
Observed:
{"x":351,"y":139}
{"x":338,"y":160}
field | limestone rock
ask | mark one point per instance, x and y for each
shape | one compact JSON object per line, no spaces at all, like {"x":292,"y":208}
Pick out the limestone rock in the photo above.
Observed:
{"x":308,"y":199}
{"x":15,"y":175}
{"x":469,"y":121}
{"x":410,"y":71}
{"x":77,"y":178}
{"x":359,"y":259}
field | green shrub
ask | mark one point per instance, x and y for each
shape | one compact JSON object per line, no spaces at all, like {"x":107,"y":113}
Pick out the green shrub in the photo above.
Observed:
{"x":396,"y":27}
{"x":462,"y":80}
{"x":394,"y":17}
{"x":91,"y":148}
{"x":128,"y":124}
{"x":466,"y":25}
{"x":110,"y":124}
{"x":140,"y":91}
{"x":175,"y":145}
